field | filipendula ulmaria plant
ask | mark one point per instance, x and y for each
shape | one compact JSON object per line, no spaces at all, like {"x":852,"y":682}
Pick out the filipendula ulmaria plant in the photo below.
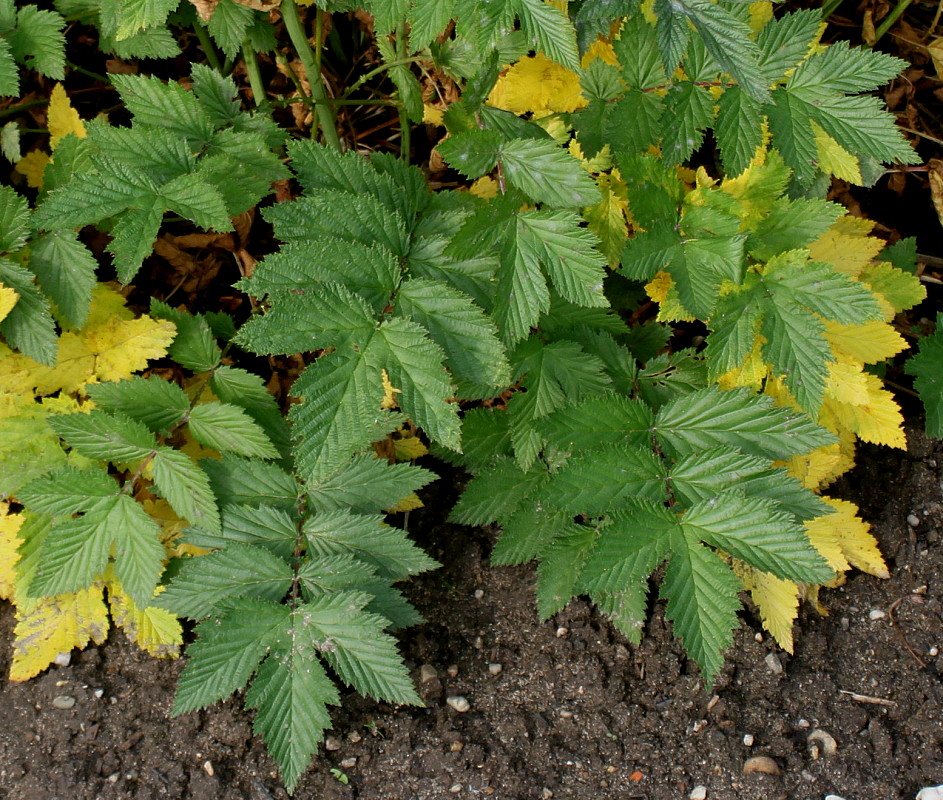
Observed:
{"x":30,"y":37}
{"x":193,"y":153}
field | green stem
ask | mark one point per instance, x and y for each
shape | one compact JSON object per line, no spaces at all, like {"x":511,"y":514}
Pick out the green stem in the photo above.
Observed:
{"x":829,"y":7}
{"x":95,"y":75}
{"x":381,"y":69}
{"x":206,"y":43}
{"x":12,"y":110}
{"x":324,"y":114}
{"x":254,"y":73}
{"x":890,"y":19}
{"x":405,"y":132}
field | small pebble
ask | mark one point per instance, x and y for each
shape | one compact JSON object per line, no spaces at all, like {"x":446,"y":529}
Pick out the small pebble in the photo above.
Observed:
{"x":566,"y":714}
{"x":113,"y":778}
{"x":933,"y":652}
{"x":546,"y":794}
{"x":758,"y":637}
{"x":698,"y":793}
{"x":876,"y":613}
{"x":63,"y":701}
{"x":456,"y":747}
{"x":63,"y":659}
{"x":455,"y":788}
{"x":479,"y":593}
{"x":208,"y":768}
{"x":561,"y":632}
{"x":458,"y":703}
{"x":349,"y":763}
{"x":332,"y":743}
{"x":748,"y":740}
{"x":773,"y":664}
{"x":479,"y":643}
{"x":833,"y":797}
{"x":427,"y":673}
{"x":354,"y":737}
{"x":913,"y":520}
{"x":99,"y":693}
{"x":761,"y":764}
{"x":803,"y":723}
{"x":452,"y":670}
{"x":930,"y":793}
{"x":495,"y":668}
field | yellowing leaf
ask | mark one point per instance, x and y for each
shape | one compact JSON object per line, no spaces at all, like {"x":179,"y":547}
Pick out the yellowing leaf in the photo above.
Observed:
{"x":600,"y":162}
{"x":854,"y":538}
{"x":124,"y":347}
{"x":106,"y":305}
{"x":760,"y":13}
{"x":824,"y":535}
{"x":601,"y":50}
{"x":847,"y":245}
{"x":752,"y":373}
{"x":389,"y":391}
{"x":432,"y":115}
{"x":408,"y":503}
{"x":537,"y":84}
{"x":846,"y":383}
{"x":900,"y":290}
{"x":9,"y":545}
{"x":62,"y":119}
{"x":409,"y":448}
{"x":776,"y":598}
{"x":607,"y":219}
{"x":153,"y":629}
{"x":836,"y":159}
{"x":758,"y":186}
{"x":485,"y":187}
{"x":820,"y":467}
{"x":935,"y":49}
{"x":33,"y":165}
{"x":869,"y":343}
{"x":56,"y":625}
{"x":875,"y":417}
{"x":8,"y":298}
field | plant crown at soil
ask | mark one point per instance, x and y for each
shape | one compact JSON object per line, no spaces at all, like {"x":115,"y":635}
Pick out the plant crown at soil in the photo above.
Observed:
{"x":504,"y":322}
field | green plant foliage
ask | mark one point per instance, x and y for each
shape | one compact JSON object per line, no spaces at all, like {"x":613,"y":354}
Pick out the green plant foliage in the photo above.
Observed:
{"x":510,"y":327}
{"x":927,"y":368}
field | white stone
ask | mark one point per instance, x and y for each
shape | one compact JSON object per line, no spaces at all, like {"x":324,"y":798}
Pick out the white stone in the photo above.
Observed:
{"x":698,"y":793}
{"x":458,"y":703}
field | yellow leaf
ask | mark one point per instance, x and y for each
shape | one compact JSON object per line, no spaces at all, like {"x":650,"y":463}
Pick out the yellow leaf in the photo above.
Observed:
{"x":846,"y":383}
{"x":8,"y":298}
{"x":408,"y":503}
{"x":836,"y":159}
{"x":485,"y":187}
{"x":153,"y":629}
{"x":847,"y":245}
{"x":56,"y":625}
{"x":662,"y":290}
{"x":895,"y":289}
{"x":537,"y":84}
{"x":869,"y":343}
{"x":123,"y":347}
{"x":600,"y":162}
{"x":824,"y":535}
{"x":753,"y":372}
{"x":603,"y":51}
{"x":854,"y":538}
{"x":409,"y":448}
{"x":875,"y":417}
{"x":758,"y":186}
{"x":62,"y":119}
{"x":820,"y":467}
{"x":776,"y":598}
{"x":935,"y":49}
{"x":433,"y":115}
{"x":33,"y":165}
{"x":9,"y":545}
{"x":389,"y":391}
{"x":107,"y":304}
{"x":760,"y":13}
{"x":607,"y":219}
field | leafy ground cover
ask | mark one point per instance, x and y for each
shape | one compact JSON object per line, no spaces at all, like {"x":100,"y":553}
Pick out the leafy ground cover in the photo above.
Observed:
{"x":554,"y":370}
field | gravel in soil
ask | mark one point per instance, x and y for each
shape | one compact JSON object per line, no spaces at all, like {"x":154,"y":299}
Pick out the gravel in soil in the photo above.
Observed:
{"x":565,"y":709}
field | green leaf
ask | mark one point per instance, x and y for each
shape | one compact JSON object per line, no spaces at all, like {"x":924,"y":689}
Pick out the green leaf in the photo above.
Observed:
{"x":194,"y":346}
{"x":596,"y":423}
{"x":65,"y":270}
{"x":550,"y":31}
{"x":427,"y":19}
{"x":688,"y":111}
{"x":164,"y":105}
{"x":159,"y":404}
{"x":927,"y":368}
{"x":236,"y":480}
{"x":367,"y":484}
{"x":784,"y":42}
{"x":547,"y":173}
{"x":105,"y":436}
{"x":37,"y":42}
{"x":737,"y":418}
{"x":739,"y":129}
{"x":14,"y":220}
{"x":291,"y":692}
{"x":240,"y":570}
{"x":227,"y":427}
{"x":472,"y":153}
{"x":228,"y":26}
{"x":702,"y":600}
{"x":559,"y":569}
{"x":633,"y":123}
{"x":29,"y":326}
{"x":136,"y":15}
{"x":474,"y":354}
{"x":247,"y":390}
{"x":790,"y":124}
{"x":841,"y":68}
{"x":790,"y":225}
{"x":637,"y":51}
{"x":496,"y":493}
{"x":369,"y":539}
{"x":354,"y":644}
{"x":227,"y":651}
{"x":67,"y":491}
{"x":263,"y":525}
{"x":186,"y":487}
{"x":756,"y":531}
{"x":9,"y":74}
{"x":139,"y":551}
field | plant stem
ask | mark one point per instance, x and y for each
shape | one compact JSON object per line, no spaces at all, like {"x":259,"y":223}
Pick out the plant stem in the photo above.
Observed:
{"x":209,"y":49}
{"x":254,"y":73}
{"x":829,"y":7}
{"x":9,"y":112}
{"x":405,"y":132}
{"x":890,"y":19}
{"x":323,"y":112}
{"x":374,"y":72}
{"x":95,"y":75}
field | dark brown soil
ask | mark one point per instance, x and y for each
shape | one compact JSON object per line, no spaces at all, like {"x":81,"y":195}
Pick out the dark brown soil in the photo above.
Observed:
{"x":575,"y":712}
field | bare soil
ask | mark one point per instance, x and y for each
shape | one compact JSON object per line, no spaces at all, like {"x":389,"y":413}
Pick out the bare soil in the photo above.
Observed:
{"x":575,"y":713}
